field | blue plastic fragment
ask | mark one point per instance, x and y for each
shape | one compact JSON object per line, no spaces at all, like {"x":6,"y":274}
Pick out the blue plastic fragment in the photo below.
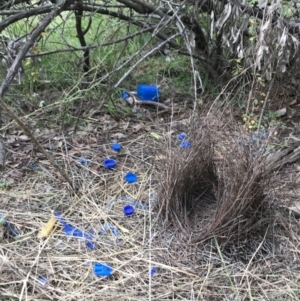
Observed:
{"x":33,"y":165}
{"x":106,"y":227}
{"x":43,"y":280}
{"x":103,"y":270}
{"x":74,"y":232}
{"x":153,"y":271}
{"x":84,"y":161}
{"x":9,"y":226}
{"x":128,"y":210}
{"x":131,"y":177}
{"x":116,"y":147}
{"x":181,"y":136}
{"x":124,"y":95}
{"x":185,"y":144}
{"x":110,"y":163}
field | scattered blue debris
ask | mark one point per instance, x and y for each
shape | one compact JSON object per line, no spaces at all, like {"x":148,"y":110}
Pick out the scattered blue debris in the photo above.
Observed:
{"x":84,"y":161}
{"x":71,"y":231}
{"x":103,"y":270}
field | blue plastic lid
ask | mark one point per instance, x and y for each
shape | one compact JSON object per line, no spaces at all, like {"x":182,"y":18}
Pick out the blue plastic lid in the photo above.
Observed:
{"x":103,"y":270}
{"x":185,"y":144}
{"x":128,"y":210}
{"x":181,"y":136}
{"x":131,"y":177}
{"x":116,"y":147}
{"x":110,"y":163}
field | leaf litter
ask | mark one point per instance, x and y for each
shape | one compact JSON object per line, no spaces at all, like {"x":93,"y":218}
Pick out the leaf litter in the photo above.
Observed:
{"x":56,"y":266}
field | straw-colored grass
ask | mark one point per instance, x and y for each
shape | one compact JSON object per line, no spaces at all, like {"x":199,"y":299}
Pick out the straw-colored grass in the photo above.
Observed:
{"x":184,"y":271}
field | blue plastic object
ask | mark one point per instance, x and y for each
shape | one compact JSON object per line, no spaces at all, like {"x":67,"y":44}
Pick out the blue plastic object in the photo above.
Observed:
{"x":110,"y":163}
{"x":71,"y":231}
{"x":124,"y":95}
{"x":42,"y":281}
{"x":148,"y":92}
{"x":181,"y":136}
{"x":116,"y":147}
{"x":103,"y":270}
{"x":106,"y":227}
{"x":84,"y":161}
{"x":11,"y":228}
{"x":131,"y":177}
{"x":153,"y":271}
{"x":185,"y":144}
{"x":128,"y":210}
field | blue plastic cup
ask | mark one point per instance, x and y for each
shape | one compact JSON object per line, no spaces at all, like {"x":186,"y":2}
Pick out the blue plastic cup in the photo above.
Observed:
{"x":148,"y":92}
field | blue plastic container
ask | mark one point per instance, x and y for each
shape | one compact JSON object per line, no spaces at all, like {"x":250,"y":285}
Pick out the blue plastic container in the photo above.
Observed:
{"x":103,"y":270}
{"x":148,"y":92}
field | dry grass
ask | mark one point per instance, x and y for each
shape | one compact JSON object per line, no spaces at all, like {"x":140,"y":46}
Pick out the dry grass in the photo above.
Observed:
{"x":233,"y":212}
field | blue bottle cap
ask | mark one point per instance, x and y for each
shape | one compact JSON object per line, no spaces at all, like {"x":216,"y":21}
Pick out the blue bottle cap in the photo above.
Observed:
{"x":128,"y":210}
{"x":131,"y":177}
{"x":185,"y":144}
{"x":110,"y":163}
{"x":103,"y":270}
{"x":181,"y":136}
{"x":116,"y":147}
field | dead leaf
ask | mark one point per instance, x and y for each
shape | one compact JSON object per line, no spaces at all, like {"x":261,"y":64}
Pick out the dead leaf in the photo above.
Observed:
{"x":281,"y":112}
{"x":47,"y":228}
{"x":15,"y":174}
{"x":293,"y":102}
{"x":138,"y":127}
{"x":24,"y":138}
{"x":118,"y":136}
{"x":156,"y":136}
